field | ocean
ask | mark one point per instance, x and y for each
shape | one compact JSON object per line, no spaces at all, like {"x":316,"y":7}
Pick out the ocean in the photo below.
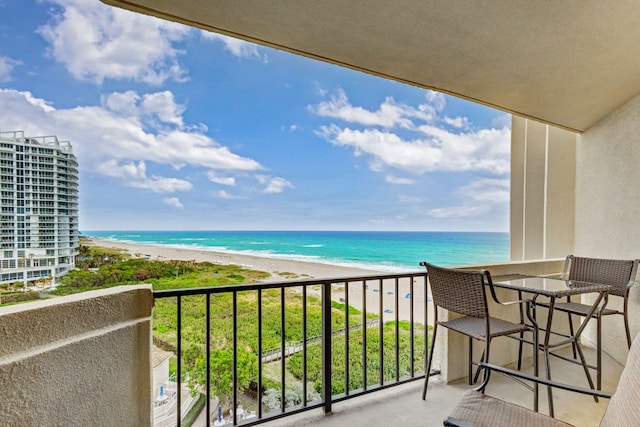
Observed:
{"x":388,"y":251}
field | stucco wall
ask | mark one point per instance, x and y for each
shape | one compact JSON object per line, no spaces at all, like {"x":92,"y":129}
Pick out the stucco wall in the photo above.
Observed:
{"x":78,"y":360}
{"x":608,"y":204}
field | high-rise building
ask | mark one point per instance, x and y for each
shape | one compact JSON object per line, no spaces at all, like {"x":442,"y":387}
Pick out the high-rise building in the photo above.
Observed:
{"x":39,"y":212}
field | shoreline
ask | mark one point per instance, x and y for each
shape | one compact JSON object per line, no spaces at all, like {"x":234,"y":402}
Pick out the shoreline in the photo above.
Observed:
{"x":277,"y":268}
{"x":273,"y":266}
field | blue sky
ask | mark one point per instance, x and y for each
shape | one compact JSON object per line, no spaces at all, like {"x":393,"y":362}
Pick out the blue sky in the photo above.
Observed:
{"x":178,"y":129}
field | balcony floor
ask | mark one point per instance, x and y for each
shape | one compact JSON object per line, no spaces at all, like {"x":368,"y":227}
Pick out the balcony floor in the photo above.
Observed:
{"x":402,"y":405}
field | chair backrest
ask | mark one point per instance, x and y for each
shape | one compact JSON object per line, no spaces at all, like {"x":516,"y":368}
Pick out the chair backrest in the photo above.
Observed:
{"x":620,"y":274}
{"x":624,"y":407}
{"x":461,"y":291}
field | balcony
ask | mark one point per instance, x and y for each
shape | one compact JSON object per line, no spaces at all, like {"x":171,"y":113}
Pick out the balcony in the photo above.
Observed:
{"x":401,"y":406}
{"x":89,"y":355}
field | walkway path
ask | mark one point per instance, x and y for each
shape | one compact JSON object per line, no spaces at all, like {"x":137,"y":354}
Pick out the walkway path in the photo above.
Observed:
{"x":297,"y":346}
{"x":201,"y":421}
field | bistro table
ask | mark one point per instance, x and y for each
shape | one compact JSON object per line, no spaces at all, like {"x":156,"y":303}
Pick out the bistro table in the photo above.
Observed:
{"x":552,"y":289}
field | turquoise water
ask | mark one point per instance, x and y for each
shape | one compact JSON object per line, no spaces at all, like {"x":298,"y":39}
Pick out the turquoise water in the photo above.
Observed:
{"x":374,"y":250}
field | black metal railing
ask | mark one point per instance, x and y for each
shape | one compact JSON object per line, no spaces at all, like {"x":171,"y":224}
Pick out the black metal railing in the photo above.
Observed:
{"x":375,"y":325}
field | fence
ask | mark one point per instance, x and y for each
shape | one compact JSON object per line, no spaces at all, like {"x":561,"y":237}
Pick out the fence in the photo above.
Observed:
{"x":389,"y":351}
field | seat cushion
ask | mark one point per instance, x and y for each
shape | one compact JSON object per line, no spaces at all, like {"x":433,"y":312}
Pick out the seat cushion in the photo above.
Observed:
{"x":476,"y":328}
{"x":480,"y":410}
{"x":624,"y":407}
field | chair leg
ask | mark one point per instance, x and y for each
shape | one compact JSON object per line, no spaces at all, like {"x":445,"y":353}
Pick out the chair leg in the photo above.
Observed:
{"x":534,"y":348}
{"x":521,"y":333}
{"x":573,"y":344}
{"x":477,"y":374}
{"x":471,"y":360}
{"x":429,"y":360}
{"x":599,"y":353}
{"x":586,"y":369}
{"x":520,"y":350}
{"x":485,"y":358}
{"x":626,"y":323}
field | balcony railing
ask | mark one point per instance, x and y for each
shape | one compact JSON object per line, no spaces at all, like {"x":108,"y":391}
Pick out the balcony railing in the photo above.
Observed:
{"x":374,"y":325}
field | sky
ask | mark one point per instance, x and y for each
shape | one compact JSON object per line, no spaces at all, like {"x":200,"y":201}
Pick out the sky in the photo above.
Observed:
{"x":175,"y":128}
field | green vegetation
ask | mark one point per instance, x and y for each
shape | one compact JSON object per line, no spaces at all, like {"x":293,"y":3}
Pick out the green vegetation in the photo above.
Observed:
{"x":97,"y":256}
{"x":314,"y":357}
{"x":195,"y":410}
{"x":290,"y":275}
{"x":193,"y":332}
{"x":340,"y":306}
{"x":18,"y":296}
{"x":124,"y":272}
{"x":118,"y":269}
{"x":293,"y":396}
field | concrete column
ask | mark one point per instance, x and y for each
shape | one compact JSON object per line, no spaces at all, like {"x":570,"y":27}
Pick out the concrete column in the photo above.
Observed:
{"x":543,"y":177}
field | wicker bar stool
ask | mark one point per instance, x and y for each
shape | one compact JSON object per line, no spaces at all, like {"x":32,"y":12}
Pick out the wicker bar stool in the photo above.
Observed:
{"x":620,"y":274}
{"x":464,"y":292}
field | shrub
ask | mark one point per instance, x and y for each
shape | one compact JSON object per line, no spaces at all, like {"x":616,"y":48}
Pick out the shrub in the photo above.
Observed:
{"x":292,"y":395}
{"x":20,"y":297}
{"x":314,"y":358}
{"x":141,"y":274}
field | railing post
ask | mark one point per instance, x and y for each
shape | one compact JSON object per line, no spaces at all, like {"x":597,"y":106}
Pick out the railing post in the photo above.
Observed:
{"x":179,"y":357}
{"x":326,"y":347}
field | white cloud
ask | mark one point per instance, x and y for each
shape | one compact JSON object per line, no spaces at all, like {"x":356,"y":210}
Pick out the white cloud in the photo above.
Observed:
{"x":277,"y":185}
{"x":155,"y":109}
{"x":491,"y":190}
{"x":486,"y":150}
{"x":136,"y":132}
{"x":162,"y":106}
{"x":173,"y":201}
{"x":429,"y":147}
{"x":224,"y":195}
{"x":223,"y":180}
{"x":390,"y":114}
{"x":436,"y":99}
{"x":502,"y":121}
{"x":22,"y":104}
{"x":319,"y":90}
{"x":274,"y":184}
{"x":458,"y":211}
{"x":123,"y":103}
{"x":458,"y":122}
{"x":135,"y":175}
{"x":400,"y":181}
{"x":238,"y":48}
{"x":96,"y":42}
{"x":125,"y":130}
{"x":6,"y":68}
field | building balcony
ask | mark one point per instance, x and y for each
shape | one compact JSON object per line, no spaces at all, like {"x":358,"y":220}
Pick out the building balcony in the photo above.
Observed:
{"x":85,"y":359}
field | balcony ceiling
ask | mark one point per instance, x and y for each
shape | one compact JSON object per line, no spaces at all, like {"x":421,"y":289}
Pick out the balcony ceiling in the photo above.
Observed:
{"x":566,"y":63}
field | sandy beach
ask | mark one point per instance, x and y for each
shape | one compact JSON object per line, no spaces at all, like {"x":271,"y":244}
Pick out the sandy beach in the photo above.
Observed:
{"x":274,"y":266}
{"x":372,"y":290}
